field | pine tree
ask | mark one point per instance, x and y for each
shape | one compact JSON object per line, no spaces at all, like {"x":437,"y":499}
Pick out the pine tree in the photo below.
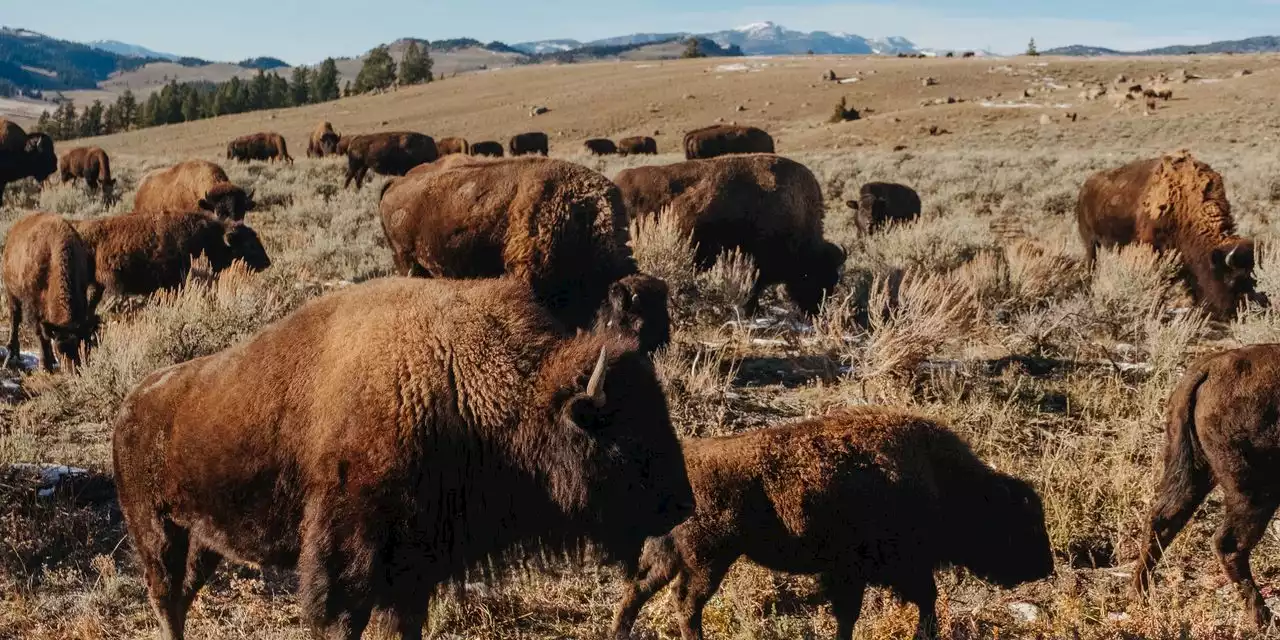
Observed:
{"x":1031,"y":48}
{"x":325,"y":82}
{"x":692,"y":49}
{"x":47,"y":124}
{"x":300,"y":87}
{"x":415,"y":66}
{"x":346,"y":91}
{"x":91,"y":120}
{"x":191,"y":106}
{"x":128,"y":109}
{"x":259,"y":88}
{"x":378,"y":72}
{"x":66,"y":115}
{"x":111,"y":118}
{"x":277,"y":92}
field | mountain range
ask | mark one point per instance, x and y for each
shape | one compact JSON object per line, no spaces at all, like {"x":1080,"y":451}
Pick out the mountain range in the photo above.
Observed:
{"x":1260,"y":44}
{"x":759,"y":39}
{"x":131,"y":50}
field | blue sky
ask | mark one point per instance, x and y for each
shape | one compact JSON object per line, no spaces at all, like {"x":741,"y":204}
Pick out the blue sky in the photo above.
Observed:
{"x":305,"y":32}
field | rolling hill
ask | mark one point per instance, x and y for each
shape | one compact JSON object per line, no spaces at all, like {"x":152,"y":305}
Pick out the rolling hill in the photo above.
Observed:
{"x":1260,"y":44}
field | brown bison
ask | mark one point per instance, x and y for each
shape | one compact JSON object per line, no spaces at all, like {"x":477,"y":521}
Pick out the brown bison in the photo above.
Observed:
{"x":344,"y":142}
{"x":323,"y":142}
{"x":600,"y":147}
{"x":389,"y":154}
{"x":863,"y":497}
{"x":194,"y":185}
{"x":528,"y":144}
{"x":558,"y":226}
{"x":725,"y":139}
{"x":24,"y":156}
{"x":768,"y":207}
{"x":139,"y":254}
{"x":482,"y":428}
{"x":259,"y":146}
{"x":46,"y":272}
{"x":638,"y":145}
{"x":453,"y":146}
{"x":884,"y":203}
{"x":487,"y":148}
{"x":1221,"y":429}
{"x":637,"y":306}
{"x":91,"y":164}
{"x":1173,"y":203}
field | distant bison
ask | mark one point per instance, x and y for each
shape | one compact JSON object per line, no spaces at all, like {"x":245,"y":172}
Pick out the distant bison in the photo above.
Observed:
{"x":863,"y":497}
{"x":600,"y":147}
{"x":884,"y":203}
{"x":482,"y":429}
{"x":725,"y":139}
{"x":1221,"y":429}
{"x":388,"y":154}
{"x":91,"y":164}
{"x":638,"y":145}
{"x":1173,"y":203}
{"x":24,"y":156}
{"x":452,"y":146}
{"x":194,"y":185}
{"x":323,"y":141}
{"x":259,"y":146}
{"x":529,"y":144}
{"x":768,"y":207}
{"x":487,"y":148}
{"x":46,"y":274}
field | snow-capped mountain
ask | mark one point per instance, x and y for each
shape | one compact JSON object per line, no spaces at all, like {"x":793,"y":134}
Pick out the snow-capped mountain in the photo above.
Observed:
{"x":129,"y":50}
{"x":768,"y":38}
{"x":547,"y":46}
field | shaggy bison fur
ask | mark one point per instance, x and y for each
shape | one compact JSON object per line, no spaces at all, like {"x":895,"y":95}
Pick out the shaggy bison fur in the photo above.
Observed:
{"x":259,"y":146}
{"x":1173,"y":203}
{"x":388,"y":154}
{"x":483,"y":427}
{"x":883,"y":203}
{"x":637,"y":306}
{"x":90,"y":164}
{"x":487,"y":148}
{"x":638,"y":145}
{"x":323,"y":141}
{"x":24,"y":156}
{"x":194,"y":185}
{"x":864,"y":497}
{"x":46,"y":274}
{"x":768,"y":207}
{"x":600,"y":147}
{"x":453,"y":146}
{"x":526,"y":144}
{"x":724,"y":139}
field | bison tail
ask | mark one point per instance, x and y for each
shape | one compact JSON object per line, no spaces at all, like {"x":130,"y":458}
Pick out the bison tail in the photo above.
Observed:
{"x":1184,"y":460}
{"x":385,"y":186}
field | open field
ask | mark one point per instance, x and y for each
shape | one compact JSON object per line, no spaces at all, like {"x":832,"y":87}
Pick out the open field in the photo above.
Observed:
{"x":1050,"y":375}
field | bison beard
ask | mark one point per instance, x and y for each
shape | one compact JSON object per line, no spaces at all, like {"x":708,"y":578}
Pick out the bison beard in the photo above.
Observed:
{"x":529,"y":433}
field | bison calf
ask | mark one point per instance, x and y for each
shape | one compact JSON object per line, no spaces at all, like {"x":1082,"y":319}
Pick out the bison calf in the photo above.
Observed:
{"x":453,"y":146}
{"x":883,"y":203}
{"x":863,"y":497}
{"x":600,"y":147}
{"x":388,"y":154}
{"x":725,"y":139}
{"x":194,"y":185}
{"x":259,"y":146}
{"x":529,"y":143}
{"x":47,"y":273}
{"x":91,"y":164}
{"x":487,"y":148}
{"x":638,"y":145}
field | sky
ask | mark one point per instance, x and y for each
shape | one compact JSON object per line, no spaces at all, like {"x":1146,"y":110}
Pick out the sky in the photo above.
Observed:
{"x":304,"y":32}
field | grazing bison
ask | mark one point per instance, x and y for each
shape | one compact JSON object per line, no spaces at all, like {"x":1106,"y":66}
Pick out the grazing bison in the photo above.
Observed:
{"x":46,"y":273}
{"x":869,"y":496}
{"x":482,"y":427}
{"x":323,"y":142}
{"x":24,"y":156}
{"x":389,"y":154}
{"x":140,"y":254}
{"x":194,"y":185}
{"x":638,"y":145}
{"x":1221,"y":429}
{"x":529,"y":143}
{"x":637,"y":306}
{"x":487,"y":148}
{"x":91,"y":164}
{"x":453,"y":146}
{"x":558,"y":226}
{"x":768,"y":207}
{"x":725,"y":139}
{"x":600,"y":147}
{"x":884,"y":203}
{"x":1173,"y":203}
{"x":259,"y":146}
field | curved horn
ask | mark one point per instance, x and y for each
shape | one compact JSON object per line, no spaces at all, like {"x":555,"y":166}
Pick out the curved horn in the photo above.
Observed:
{"x":595,"y":386}
{"x":1230,"y":254}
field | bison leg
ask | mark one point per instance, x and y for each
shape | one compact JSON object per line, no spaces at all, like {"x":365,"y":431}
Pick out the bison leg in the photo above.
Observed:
{"x":46,"y":344}
{"x":1245,"y":523}
{"x":659,"y":565}
{"x":846,"y":594}
{"x":752,"y":305}
{"x":335,"y":571}
{"x":922,"y":591}
{"x":1179,"y":495}
{"x":694,"y":586}
{"x":14,"y":359}
{"x":173,"y":573}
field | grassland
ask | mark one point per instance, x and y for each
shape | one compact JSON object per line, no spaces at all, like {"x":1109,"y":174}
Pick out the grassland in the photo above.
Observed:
{"x":1051,"y":375}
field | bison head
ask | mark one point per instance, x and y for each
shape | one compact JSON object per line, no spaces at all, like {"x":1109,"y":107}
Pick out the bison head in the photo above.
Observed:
{"x":243,"y":244}
{"x":1006,"y":542}
{"x":329,"y":143}
{"x":42,"y":162}
{"x":1227,"y":280}
{"x":637,"y":306}
{"x":76,"y":340}
{"x":822,"y":273}
{"x":228,"y":202}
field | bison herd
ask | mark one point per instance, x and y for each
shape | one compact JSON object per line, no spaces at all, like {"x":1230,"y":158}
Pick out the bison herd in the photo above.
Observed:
{"x":513,"y":404}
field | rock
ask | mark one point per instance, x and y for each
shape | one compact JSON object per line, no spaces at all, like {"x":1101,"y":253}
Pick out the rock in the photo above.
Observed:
{"x":1072,"y":116}
{"x":740,"y":108}
{"x":689,"y":96}
{"x":1121,"y":79}
{"x":537,"y":111}
{"x":1045,"y":119}
{"x":1025,"y":611}
{"x":899,"y":147}
{"x":1243,"y":72}
{"x":929,"y":82}
{"x":1028,"y":93}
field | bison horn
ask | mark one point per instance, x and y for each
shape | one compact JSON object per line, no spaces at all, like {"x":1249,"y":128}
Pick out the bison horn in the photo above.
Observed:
{"x":1230,"y":254}
{"x":595,"y":386}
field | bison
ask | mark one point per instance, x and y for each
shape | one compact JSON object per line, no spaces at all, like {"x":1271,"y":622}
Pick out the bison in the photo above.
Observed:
{"x":883,"y":203}
{"x":259,"y":146}
{"x":323,"y":142}
{"x":725,"y":139}
{"x":24,"y":156}
{"x":91,"y":164}
{"x":600,"y":147}
{"x":767,"y":206}
{"x":47,"y":273}
{"x":487,"y":148}
{"x":483,"y":427}
{"x":637,"y":306}
{"x":453,"y":146}
{"x":528,"y":144}
{"x":389,"y":154}
{"x":638,"y":145}
{"x":1221,"y":429}
{"x":1173,"y":203}
{"x":863,"y":497}
{"x":140,"y":254}
{"x":194,"y":185}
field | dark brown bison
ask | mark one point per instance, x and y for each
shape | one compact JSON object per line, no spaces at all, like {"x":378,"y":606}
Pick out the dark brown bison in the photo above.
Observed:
{"x":639,"y":145}
{"x":637,"y":306}
{"x":768,"y":207}
{"x":323,"y":141}
{"x":388,"y":154}
{"x":1173,"y":203}
{"x":487,"y":148}
{"x":725,"y":139}
{"x":862,"y":497}
{"x":528,"y":144}
{"x":194,"y":185}
{"x":453,"y":146}
{"x":91,"y":164}
{"x":884,"y":203}
{"x":259,"y":146}
{"x":24,"y":156}
{"x":600,"y":147}
{"x":343,"y":143}
{"x":482,"y":428}
{"x":139,"y":254}
{"x":1221,"y":429}
{"x":558,"y":226}
{"x":47,"y":273}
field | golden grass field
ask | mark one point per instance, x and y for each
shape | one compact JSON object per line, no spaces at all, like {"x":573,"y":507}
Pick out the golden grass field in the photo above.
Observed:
{"x":1051,"y":375}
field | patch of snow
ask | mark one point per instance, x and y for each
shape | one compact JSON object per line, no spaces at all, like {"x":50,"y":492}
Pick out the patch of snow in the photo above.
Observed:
{"x":28,"y":361}
{"x":738,"y":66}
{"x":51,"y":475}
{"x":645,"y":66}
{"x":1025,"y":611}
{"x":1037,"y":64}
{"x":1208,"y":80}
{"x":850,"y":80}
